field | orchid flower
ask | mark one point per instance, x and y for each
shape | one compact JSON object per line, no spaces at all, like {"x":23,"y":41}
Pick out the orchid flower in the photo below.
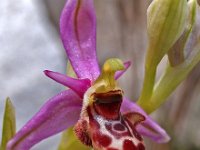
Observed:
{"x":94,"y":104}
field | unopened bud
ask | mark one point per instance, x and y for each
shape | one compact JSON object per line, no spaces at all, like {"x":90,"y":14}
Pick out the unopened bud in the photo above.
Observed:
{"x":166,"y":20}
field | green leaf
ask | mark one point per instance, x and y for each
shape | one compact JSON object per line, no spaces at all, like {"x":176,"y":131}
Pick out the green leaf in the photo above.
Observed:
{"x":69,"y":141}
{"x":9,"y":123}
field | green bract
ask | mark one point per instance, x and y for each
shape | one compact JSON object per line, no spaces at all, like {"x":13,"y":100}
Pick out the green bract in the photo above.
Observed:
{"x":9,"y":124}
{"x":176,"y":53}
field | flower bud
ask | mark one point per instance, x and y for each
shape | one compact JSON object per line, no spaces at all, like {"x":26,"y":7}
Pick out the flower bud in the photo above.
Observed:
{"x":165,"y":23}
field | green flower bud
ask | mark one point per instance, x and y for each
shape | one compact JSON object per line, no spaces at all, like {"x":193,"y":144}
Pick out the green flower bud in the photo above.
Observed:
{"x":165,"y":23}
{"x":176,"y":73}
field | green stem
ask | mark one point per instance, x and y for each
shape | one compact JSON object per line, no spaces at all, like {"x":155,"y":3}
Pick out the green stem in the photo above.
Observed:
{"x":147,"y":90}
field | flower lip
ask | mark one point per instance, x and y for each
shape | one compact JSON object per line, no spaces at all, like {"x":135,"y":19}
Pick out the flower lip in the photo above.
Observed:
{"x":158,"y":135}
{"x":105,"y":93}
{"x":103,"y":102}
{"x":109,"y":97}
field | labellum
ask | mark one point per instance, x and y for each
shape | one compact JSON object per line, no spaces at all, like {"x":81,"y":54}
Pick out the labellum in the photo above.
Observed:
{"x":101,"y":124}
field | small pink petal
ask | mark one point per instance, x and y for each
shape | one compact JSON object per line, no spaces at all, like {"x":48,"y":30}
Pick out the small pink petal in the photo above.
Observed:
{"x":78,"y":33}
{"x":77,"y":85}
{"x":118,"y":74}
{"x":148,"y":127}
{"x":59,"y":113}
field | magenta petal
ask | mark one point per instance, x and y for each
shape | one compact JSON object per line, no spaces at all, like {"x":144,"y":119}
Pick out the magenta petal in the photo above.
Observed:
{"x":118,"y":74}
{"x":147,"y":128}
{"x":77,"y":85}
{"x":58,"y":114}
{"x":78,"y":33}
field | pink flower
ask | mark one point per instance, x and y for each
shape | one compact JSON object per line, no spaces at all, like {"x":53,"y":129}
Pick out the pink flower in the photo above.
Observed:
{"x":78,"y":33}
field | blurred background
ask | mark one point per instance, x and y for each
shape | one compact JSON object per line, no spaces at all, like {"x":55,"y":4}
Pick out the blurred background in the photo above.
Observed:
{"x":30,"y":43}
